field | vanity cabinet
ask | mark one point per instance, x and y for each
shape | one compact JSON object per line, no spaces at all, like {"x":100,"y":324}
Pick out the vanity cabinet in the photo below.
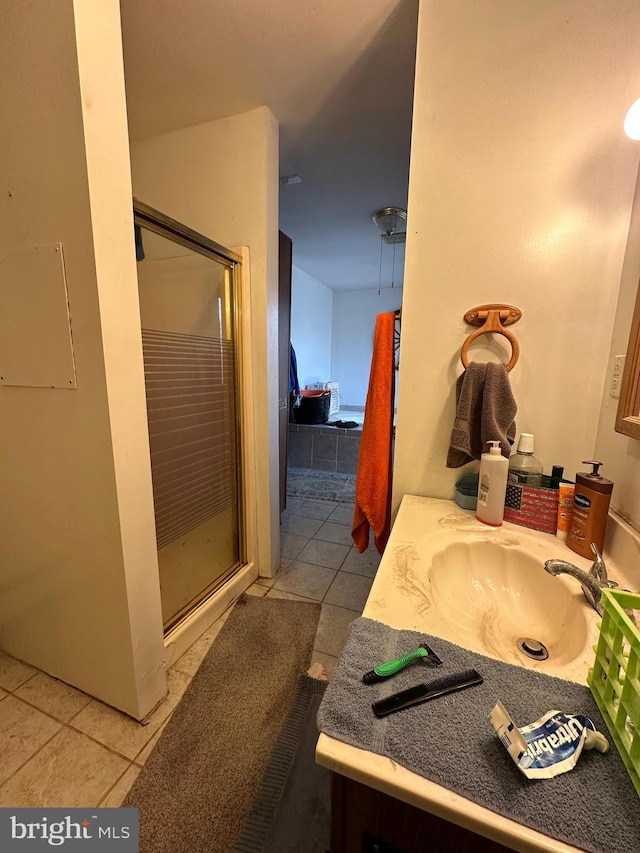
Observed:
{"x":364,"y":820}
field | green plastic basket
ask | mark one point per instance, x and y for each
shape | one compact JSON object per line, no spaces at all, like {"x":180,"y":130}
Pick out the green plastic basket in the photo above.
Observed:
{"x":615,"y":677}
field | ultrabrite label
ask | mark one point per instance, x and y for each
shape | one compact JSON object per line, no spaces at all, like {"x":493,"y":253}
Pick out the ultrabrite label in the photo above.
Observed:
{"x":103,"y":830}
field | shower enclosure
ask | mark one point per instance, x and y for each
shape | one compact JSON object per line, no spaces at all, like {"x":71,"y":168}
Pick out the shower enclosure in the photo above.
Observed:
{"x":188,"y":310}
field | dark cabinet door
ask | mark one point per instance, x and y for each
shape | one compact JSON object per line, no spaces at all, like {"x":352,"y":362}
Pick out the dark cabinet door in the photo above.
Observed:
{"x":284,"y":336}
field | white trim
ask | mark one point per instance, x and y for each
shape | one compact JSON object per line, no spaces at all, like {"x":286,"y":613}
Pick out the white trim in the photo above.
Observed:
{"x":247,"y":409}
{"x":255,"y":442}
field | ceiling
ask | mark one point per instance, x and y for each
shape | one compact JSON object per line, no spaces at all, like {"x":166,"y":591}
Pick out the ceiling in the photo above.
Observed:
{"x":338,"y":77}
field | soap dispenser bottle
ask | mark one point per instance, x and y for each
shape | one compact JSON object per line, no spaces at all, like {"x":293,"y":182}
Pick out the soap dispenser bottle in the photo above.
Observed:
{"x":492,"y":485}
{"x":590,"y":511}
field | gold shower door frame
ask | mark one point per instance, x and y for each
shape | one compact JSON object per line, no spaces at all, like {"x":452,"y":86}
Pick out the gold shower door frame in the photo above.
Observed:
{"x":185,"y":544}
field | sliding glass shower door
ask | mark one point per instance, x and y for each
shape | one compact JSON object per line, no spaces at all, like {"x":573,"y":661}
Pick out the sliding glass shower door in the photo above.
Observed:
{"x":187,"y":305}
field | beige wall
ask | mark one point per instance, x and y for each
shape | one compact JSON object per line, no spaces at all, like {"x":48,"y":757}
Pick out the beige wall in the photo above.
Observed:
{"x":221,"y":179}
{"x":80,"y":593}
{"x":520,"y":192}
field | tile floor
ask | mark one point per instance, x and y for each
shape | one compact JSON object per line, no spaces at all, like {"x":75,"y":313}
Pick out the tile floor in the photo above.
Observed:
{"x":319,"y":563}
{"x":60,"y":747}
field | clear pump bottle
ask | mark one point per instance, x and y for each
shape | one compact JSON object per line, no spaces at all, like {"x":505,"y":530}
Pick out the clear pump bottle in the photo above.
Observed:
{"x":524,"y":468}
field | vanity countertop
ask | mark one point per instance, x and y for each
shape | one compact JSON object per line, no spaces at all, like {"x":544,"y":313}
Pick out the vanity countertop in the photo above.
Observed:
{"x":400,"y":598}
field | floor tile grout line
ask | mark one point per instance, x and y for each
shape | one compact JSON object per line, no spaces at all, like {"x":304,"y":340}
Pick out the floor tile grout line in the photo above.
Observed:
{"x":42,"y":711}
{"x":174,"y":667}
{"x":49,"y":714}
{"x":67,"y":725}
{"x":329,"y":541}
{"x":126,"y":770}
{"x":319,"y":566}
{"x":39,"y":749}
{"x":359,"y":574}
{"x":22,"y":684}
{"x":316,"y":649}
{"x":339,"y":605}
{"x":331,"y":654}
{"x":314,"y":565}
{"x":112,"y":749}
{"x":318,"y":600}
{"x":327,"y":592}
{"x":106,"y":746}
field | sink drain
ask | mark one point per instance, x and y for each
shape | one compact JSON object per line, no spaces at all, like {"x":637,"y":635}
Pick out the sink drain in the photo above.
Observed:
{"x":532,"y":648}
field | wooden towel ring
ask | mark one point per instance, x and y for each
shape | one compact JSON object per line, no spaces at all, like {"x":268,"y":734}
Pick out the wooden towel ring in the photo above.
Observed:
{"x":492,"y":318}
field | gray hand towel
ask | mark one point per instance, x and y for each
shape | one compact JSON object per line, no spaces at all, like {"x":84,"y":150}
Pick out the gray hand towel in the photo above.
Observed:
{"x":485,"y":411}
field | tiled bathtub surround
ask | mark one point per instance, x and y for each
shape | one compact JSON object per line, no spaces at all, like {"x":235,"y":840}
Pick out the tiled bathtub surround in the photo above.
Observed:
{"x":59,"y":747}
{"x":324,"y":448}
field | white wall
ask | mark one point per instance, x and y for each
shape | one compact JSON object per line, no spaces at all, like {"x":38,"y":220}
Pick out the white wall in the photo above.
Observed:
{"x":311,"y":302}
{"x":354,"y":321}
{"x":520,"y":192}
{"x":221,"y":179}
{"x":80,"y":594}
{"x":620,"y":454}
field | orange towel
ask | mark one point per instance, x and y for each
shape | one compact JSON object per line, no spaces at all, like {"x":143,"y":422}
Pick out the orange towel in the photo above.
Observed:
{"x":373,"y":483}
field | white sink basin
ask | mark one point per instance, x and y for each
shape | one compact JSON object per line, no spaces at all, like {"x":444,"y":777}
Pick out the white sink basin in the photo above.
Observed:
{"x":491,"y":596}
{"x":484,"y":588}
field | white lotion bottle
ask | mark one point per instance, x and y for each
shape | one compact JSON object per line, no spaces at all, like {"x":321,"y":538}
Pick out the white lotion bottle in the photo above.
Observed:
{"x":492,"y":485}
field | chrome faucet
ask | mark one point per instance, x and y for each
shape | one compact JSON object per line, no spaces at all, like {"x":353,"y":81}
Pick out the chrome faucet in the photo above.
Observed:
{"x":593,"y":581}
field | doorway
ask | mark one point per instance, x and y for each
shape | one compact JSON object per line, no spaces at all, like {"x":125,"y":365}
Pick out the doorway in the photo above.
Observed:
{"x":188,"y":311}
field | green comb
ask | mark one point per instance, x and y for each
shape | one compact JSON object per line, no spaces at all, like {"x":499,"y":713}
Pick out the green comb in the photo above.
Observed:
{"x":391,"y":667}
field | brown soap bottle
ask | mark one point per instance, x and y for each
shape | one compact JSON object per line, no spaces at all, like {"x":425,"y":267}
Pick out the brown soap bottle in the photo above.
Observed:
{"x":590,"y":511}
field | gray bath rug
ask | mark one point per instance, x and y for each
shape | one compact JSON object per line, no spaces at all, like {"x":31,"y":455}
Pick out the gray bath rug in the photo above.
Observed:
{"x":321,"y":485}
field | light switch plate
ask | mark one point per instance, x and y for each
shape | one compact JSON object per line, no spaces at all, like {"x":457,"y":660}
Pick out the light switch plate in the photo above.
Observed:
{"x":616,"y":375}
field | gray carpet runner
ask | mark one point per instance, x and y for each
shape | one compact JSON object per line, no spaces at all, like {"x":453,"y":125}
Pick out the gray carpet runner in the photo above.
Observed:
{"x":203,"y":774}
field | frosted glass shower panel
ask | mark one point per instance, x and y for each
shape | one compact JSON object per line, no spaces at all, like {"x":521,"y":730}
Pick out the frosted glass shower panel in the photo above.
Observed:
{"x":186,"y":306}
